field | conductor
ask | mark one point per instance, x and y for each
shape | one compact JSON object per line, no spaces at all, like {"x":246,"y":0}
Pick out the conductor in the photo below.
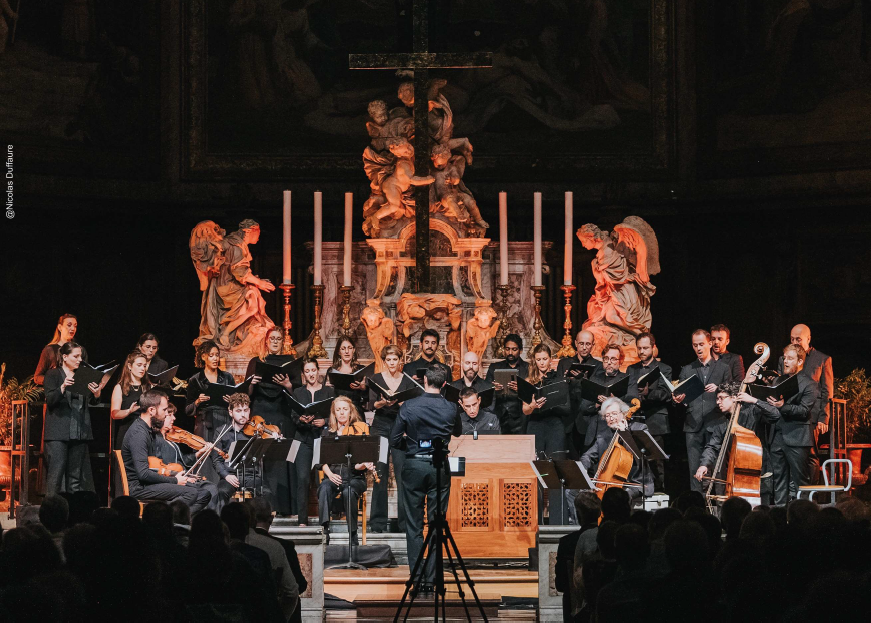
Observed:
{"x":426,"y":424}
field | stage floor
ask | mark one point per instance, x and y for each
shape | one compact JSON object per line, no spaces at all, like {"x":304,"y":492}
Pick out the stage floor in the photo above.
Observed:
{"x":375,"y":593}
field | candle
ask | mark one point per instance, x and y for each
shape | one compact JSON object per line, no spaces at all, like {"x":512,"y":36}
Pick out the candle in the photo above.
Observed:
{"x":286,"y":273}
{"x":346,"y":268}
{"x":536,"y":233}
{"x":503,"y":238}
{"x":319,"y":224}
{"x":567,"y":268}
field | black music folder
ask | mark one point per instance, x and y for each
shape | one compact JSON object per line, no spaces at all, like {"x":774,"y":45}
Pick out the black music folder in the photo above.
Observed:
{"x":503,"y":376}
{"x":650,"y":377}
{"x":343,"y":381}
{"x":584,"y":370}
{"x":406,"y":394}
{"x":292,"y":368}
{"x":556,"y":393}
{"x":164,"y":378}
{"x":786,"y":389}
{"x":217,"y":391}
{"x":591,"y":390}
{"x":452,"y":394}
{"x":321,"y":408}
{"x":693,"y":387}
{"x":87,"y":374}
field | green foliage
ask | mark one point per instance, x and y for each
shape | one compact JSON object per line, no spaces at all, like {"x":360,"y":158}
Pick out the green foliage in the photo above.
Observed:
{"x":855,"y":388}
{"x":11,"y":389}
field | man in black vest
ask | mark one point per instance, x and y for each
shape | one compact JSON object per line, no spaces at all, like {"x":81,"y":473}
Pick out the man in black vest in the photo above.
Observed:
{"x":426,"y":422}
{"x":655,"y":398}
{"x":789,"y":433}
{"x":509,"y":409}
{"x":702,"y":412}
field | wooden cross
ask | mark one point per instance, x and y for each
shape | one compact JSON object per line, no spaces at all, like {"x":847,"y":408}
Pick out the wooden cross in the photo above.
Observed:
{"x":421,"y":60}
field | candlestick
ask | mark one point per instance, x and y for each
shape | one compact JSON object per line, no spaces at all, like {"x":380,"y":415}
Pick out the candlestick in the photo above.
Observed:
{"x":319,"y":226}
{"x":503,"y":319}
{"x":346,"y":265}
{"x":567,"y":267}
{"x":537,"y":324}
{"x":567,"y":350}
{"x":288,"y":348}
{"x":536,"y":234}
{"x":286,"y":272}
{"x":346,"y":309}
{"x":316,"y":349}
{"x":503,"y":238}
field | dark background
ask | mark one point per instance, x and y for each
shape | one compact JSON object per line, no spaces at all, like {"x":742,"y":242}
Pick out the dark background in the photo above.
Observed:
{"x":113,"y":169}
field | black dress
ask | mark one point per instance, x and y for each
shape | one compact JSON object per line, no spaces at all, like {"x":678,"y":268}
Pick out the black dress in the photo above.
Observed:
{"x":269,"y":401}
{"x":381,"y":426}
{"x":306,"y":435}
{"x":357,"y":396}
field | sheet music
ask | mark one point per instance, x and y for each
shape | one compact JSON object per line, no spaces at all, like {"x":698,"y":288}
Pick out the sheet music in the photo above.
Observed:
{"x":383,"y":449}
{"x":294,"y":448}
{"x":316,"y":453}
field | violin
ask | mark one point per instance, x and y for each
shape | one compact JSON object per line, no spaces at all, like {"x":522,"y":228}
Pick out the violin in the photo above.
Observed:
{"x":257,"y":427}
{"x":180,"y":435}
{"x":168,"y":469}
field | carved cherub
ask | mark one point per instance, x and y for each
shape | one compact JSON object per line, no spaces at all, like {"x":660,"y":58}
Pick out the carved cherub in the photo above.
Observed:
{"x":400,"y":180}
{"x":379,"y":329}
{"x":387,"y":125}
{"x":481,"y":328}
{"x":455,"y":197}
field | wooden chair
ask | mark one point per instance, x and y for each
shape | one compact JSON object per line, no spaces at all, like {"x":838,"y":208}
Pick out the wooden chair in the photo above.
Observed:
{"x":361,"y":507}
{"x":827,"y":487}
{"x":125,"y":488}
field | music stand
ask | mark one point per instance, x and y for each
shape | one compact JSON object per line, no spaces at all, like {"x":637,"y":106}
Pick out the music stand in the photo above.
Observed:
{"x":277,"y":451}
{"x":350,"y":450}
{"x":563,"y":474}
{"x":644,"y":447}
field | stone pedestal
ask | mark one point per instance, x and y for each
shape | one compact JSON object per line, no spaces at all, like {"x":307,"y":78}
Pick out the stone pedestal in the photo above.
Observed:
{"x":309,"y":544}
{"x":550,"y":600}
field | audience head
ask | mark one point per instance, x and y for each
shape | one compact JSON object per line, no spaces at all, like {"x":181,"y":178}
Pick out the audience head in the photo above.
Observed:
{"x":235,"y":515}
{"x":660,"y":522}
{"x":127,"y":507}
{"x":631,"y":548}
{"x":758,"y":526}
{"x":512,"y":345}
{"x":157,"y":515}
{"x":733,"y":513}
{"x":688,"y":499}
{"x":605,"y":538}
{"x":588,"y":507}
{"x":713,"y":529}
{"x":616,"y":505}
{"x":855,"y":511}
{"x":801,"y":512}
{"x":181,"y":513}
{"x":686,"y":545}
{"x":54,"y":513}
{"x":261,"y":511}
{"x":83,"y":504}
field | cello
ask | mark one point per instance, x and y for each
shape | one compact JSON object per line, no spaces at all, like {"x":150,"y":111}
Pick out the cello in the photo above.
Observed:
{"x":744,"y":469}
{"x":616,"y":463}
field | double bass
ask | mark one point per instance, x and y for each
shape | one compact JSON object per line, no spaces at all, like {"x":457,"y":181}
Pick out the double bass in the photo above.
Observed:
{"x":616,"y":462}
{"x":744,"y":469}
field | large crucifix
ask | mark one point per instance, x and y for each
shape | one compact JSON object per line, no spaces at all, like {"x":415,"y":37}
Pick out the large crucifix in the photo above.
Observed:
{"x":421,"y":60}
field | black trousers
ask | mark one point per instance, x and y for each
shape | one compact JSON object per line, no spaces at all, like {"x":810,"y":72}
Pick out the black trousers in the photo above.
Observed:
{"x":790,"y":469}
{"x":419,"y":484}
{"x":378,"y":517}
{"x":696,"y":443}
{"x":197,"y":497}
{"x":327,"y":492}
{"x":303,"y":469}
{"x":68,"y":467}
{"x":550,"y":439}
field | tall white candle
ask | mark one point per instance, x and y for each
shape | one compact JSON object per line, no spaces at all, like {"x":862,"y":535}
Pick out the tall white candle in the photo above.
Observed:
{"x":536,"y":233}
{"x":346,"y":267}
{"x":503,"y":238}
{"x":285,"y":248}
{"x":319,"y":225}
{"x":567,"y":267}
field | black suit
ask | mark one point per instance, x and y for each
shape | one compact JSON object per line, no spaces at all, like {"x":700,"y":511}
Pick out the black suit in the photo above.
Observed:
{"x":509,"y":408}
{"x":735,"y":363}
{"x":654,"y":409}
{"x":702,"y":413}
{"x":589,"y":411}
{"x":577,"y":427}
{"x":789,"y":437}
{"x":67,"y":432}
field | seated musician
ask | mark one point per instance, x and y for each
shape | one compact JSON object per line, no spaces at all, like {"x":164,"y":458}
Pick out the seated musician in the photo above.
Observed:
{"x":727,"y":398}
{"x":231,"y":478}
{"x":170,"y":452}
{"x":139,"y":443}
{"x":475,"y":420}
{"x":344,"y":420}
{"x":613,"y":413}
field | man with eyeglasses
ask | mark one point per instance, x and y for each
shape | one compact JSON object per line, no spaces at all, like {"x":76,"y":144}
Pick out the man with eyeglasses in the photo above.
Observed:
{"x":584,"y":346}
{"x":588,"y":416}
{"x":702,"y":413}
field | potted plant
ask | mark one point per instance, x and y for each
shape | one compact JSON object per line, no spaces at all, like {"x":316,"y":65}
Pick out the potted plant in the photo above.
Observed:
{"x":11,"y":389}
{"x":855,"y":388}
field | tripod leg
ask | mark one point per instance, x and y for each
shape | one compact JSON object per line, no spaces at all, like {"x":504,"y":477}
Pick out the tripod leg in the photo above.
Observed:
{"x":410,"y":581}
{"x":450,"y":540}
{"x":458,"y":583}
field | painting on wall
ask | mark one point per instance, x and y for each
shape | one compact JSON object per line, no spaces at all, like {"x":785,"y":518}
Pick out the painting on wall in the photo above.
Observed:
{"x":572,"y":87}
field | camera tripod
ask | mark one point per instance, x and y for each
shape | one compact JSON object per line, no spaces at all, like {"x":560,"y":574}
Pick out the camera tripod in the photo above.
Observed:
{"x":438,"y":540}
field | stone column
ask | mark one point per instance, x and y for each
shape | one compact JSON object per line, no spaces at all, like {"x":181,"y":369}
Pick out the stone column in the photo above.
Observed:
{"x":310,"y":550}
{"x":550,"y":600}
